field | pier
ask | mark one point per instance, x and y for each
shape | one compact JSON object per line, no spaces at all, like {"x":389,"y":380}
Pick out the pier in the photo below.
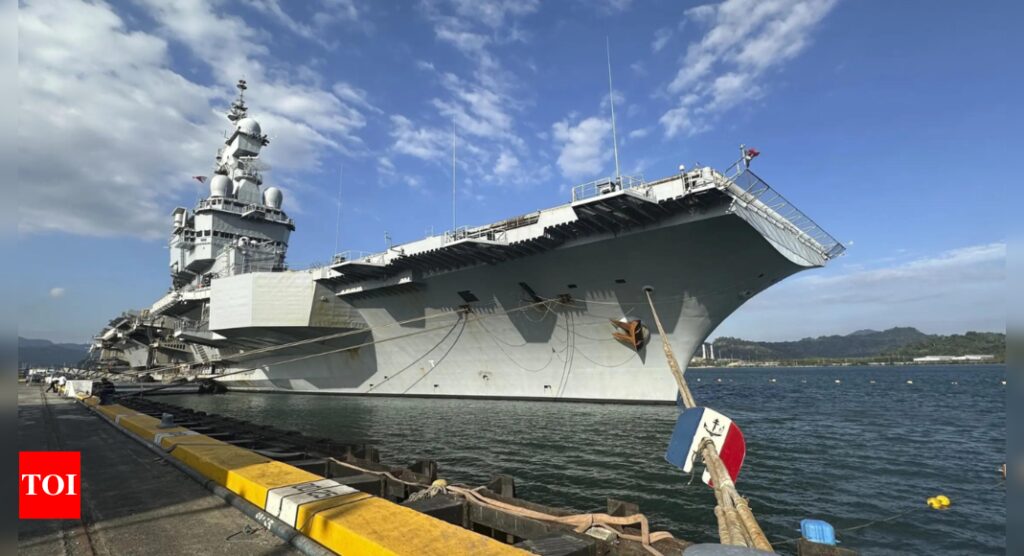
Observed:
{"x":132,"y":502}
{"x":152,"y":472}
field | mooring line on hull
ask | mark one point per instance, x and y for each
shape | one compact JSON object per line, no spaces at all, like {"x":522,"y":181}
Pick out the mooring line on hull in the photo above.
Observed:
{"x":632,"y":356}
{"x":296,"y":359}
{"x":570,"y":356}
{"x":389,"y":378}
{"x":551,"y":355}
{"x":433,"y":368}
{"x":268,"y":349}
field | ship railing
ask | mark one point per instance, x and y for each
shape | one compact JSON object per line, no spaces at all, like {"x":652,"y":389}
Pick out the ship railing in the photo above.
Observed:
{"x":185,"y":325}
{"x":807,"y":230}
{"x":605,"y":185}
{"x":352,"y":255}
{"x":497,"y":232}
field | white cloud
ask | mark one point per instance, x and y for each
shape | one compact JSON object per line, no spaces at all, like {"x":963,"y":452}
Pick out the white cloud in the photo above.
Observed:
{"x":583,"y":147}
{"x":110,"y":133}
{"x":481,"y":105}
{"x":952,"y":291}
{"x":640,"y":133}
{"x":506,"y":165}
{"x":743,"y":39}
{"x":326,"y":14}
{"x":56,"y":292}
{"x":420,"y":142}
{"x":475,"y":109}
{"x":612,"y":6}
{"x":661,"y":38}
{"x":494,"y":13}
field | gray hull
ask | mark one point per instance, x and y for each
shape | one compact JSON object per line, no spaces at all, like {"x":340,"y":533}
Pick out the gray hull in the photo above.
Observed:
{"x":701,"y":269}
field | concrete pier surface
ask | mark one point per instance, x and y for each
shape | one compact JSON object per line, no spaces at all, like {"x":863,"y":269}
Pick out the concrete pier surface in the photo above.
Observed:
{"x":132,"y":502}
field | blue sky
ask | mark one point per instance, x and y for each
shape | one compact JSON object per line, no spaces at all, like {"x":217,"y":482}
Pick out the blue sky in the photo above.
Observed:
{"x":887,"y":122}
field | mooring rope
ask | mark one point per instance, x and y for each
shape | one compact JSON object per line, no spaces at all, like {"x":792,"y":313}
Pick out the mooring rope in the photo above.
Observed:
{"x":580,"y":522}
{"x":459,"y":318}
{"x":736,"y":523}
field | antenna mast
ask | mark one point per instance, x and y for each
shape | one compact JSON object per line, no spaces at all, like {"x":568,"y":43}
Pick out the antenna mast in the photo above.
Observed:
{"x":611,"y":101}
{"x":337,"y":225}
{"x":454,"y":222}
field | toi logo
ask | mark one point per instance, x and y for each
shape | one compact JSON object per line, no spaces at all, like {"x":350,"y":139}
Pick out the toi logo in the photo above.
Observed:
{"x":49,"y":485}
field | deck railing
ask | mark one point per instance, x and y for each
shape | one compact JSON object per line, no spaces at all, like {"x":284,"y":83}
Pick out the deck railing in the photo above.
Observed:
{"x":754,"y":188}
{"x":365,"y":256}
{"x":605,"y":185}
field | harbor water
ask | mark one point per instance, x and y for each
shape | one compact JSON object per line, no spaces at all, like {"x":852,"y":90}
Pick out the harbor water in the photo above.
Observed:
{"x":875,"y":444}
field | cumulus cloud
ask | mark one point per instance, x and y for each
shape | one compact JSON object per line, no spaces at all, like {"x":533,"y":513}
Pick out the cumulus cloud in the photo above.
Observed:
{"x":507,"y":164}
{"x":325,"y":15}
{"x":480,"y":104}
{"x":951,"y":291}
{"x":420,"y":142}
{"x":661,"y":38}
{"x":56,"y":292}
{"x":110,"y":133}
{"x":743,"y":39}
{"x":583,"y":149}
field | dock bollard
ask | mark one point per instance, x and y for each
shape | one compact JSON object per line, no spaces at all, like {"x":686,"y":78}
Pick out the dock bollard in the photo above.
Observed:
{"x":166,"y":421}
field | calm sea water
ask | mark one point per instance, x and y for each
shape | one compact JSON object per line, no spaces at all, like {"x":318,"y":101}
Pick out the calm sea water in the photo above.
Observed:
{"x":848,"y":453}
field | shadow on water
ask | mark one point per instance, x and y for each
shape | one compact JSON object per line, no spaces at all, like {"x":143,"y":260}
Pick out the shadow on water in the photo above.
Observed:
{"x":847,"y":452}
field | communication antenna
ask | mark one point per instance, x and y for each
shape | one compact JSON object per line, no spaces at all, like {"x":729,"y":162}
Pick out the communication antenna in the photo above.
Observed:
{"x":611,"y":101}
{"x":337,"y":224}
{"x":454,"y":221}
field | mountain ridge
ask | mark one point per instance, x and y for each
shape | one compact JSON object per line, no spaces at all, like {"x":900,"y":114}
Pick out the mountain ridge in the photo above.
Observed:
{"x":902,"y":342}
{"x":34,"y":352}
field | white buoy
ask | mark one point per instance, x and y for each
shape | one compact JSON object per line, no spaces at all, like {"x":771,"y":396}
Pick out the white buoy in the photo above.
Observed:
{"x":910,"y":382}
{"x":838,"y":381}
{"x":954,"y":383}
{"x":719,"y":380}
{"x":772,"y":380}
{"x":1003,"y":383}
{"x":872,"y":382}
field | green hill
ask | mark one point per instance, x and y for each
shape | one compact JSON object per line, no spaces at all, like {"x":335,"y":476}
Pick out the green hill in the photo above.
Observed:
{"x":970,"y":343}
{"x":44,"y":353}
{"x":900,"y":343}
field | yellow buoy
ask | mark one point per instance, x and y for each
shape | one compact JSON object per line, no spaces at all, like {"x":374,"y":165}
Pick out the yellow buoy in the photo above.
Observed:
{"x":940,"y":502}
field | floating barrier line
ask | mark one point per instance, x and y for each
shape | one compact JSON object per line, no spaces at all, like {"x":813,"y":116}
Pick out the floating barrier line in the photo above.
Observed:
{"x":736,"y":523}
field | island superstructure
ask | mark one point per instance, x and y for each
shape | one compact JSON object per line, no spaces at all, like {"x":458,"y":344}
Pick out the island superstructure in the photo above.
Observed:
{"x":546,"y":305}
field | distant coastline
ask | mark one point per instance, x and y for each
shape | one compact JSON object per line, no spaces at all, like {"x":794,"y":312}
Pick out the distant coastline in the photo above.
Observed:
{"x":735,"y":364}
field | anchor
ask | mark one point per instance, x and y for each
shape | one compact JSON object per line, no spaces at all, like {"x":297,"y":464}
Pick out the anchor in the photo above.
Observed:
{"x":633,"y":333}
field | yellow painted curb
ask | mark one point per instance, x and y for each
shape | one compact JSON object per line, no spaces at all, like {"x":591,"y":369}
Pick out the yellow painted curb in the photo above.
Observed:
{"x":336,"y":516}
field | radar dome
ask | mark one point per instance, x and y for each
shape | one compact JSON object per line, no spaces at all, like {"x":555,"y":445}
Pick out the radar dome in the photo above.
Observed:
{"x":249,"y":127}
{"x":273,"y":197}
{"x":220,"y":186}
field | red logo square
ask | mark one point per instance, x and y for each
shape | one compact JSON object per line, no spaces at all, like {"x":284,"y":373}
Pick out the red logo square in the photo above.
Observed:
{"x":50,"y":485}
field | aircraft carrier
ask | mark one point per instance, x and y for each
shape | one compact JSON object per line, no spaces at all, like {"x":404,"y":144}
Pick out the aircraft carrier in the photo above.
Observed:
{"x":547,"y":305}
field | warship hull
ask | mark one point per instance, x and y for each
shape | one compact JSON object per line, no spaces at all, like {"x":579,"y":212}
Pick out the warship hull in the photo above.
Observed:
{"x":701,"y":270}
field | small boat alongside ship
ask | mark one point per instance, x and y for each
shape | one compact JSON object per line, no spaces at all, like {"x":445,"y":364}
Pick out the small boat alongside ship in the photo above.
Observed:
{"x":546,"y":305}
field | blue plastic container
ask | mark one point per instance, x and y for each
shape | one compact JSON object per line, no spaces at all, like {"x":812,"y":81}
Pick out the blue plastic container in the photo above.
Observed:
{"x":816,"y":530}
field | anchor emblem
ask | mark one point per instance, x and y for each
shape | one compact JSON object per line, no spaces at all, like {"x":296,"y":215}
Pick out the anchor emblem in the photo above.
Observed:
{"x":716,"y":429}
